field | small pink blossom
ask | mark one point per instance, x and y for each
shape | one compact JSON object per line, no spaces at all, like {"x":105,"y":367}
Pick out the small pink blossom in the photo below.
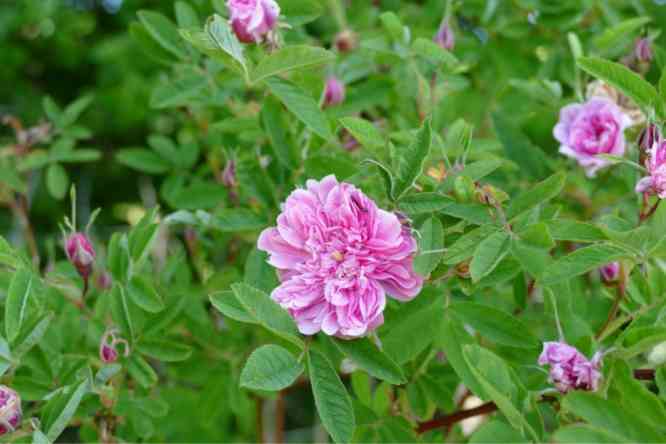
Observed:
{"x":570,"y":369}
{"x":445,"y":36}
{"x":80,"y":253}
{"x":592,"y":128}
{"x":251,"y":20}
{"x":643,"y":50}
{"x":229,"y":174}
{"x":338,"y":255}
{"x":10,"y":410}
{"x":655,"y":183}
{"x":610,"y":272}
{"x":108,"y":352}
{"x":334,"y":91}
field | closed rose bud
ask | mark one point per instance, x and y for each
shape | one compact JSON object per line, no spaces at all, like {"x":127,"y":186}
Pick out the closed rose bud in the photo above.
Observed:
{"x":251,"y":20}
{"x":104,"y":281}
{"x":445,"y":37}
{"x":80,"y":253}
{"x":345,"y":41}
{"x":643,"y":50}
{"x":108,"y":351}
{"x":655,"y":183}
{"x":334,"y":92}
{"x":10,"y":410}
{"x":108,"y":354}
{"x":229,"y":174}
{"x":610,"y":272}
{"x":648,"y":137}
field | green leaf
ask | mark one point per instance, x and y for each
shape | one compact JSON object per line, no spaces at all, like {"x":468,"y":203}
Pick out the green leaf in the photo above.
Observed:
{"x":662,"y":85}
{"x":178,"y":92}
{"x":118,"y":258}
{"x":581,"y":261}
{"x":74,"y":110}
{"x":141,"y":371}
{"x":634,"y":396}
{"x":107,"y":372}
{"x":616,"y":35}
{"x":78,"y":156}
{"x":371,"y":359}
{"x":300,"y":12}
{"x":258,"y":272}
{"x":16,"y":304}
{"x":8,"y":256}
{"x":610,"y":417}
{"x":163,"y":350}
{"x":148,"y":45}
{"x":622,"y":78}
{"x":463,"y":248}
{"x":572,"y":230}
{"x":237,"y":219}
{"x":432,"y":51}
{"x":301,"y":104}
{"x":270,"y":368}
{"x":70,"y":401}
{"x":364,"y":132}
{"x":495,"y":325}
{"x":402,"y":345}
{"x":39,"y":438}
{"x":120,"y":311}
{"x":537,"y":194}
{"x":475,"y":213}
{"x":488,"y":254}
{"x":499,"y":382}
{"x":518,"y":147}
{"x":496,"y":431}
{"x":163,"y":31}
{"x":143,"y":160}
{"x":386,"y":175}
{"x":224,"y":38}
{"x":186,"y":15}
{"x":143,"y":293}
{"x":290,"y":58}
{"x":227,"y":304}
{"x":420,"y":203}
{"x":319,"y":166}
{"x":431,"y":246}
{"x":331,"y":398}
{"x":141,"y":237}
{"x":533,"y":259}
{"x":411,"y":159}
{"x":267,"y":313}
{"x":273,"y":119}
{"x":33,"y":334}
{"x":638,"y":340}
{"x":57,"y":180}
{"x":579,"y":433}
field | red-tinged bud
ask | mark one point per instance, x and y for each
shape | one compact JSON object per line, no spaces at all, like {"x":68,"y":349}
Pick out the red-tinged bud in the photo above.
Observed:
{"x":80,"y":253}
{"x":229,"y":174}
{"x":445,"y":37}
{"x":334,"y":92}
{"x":610,"y":272}
{"x":10,"y":410}
{"x":346,"y":41}
{"x":643,"y":50}
{"x":104,"y":281}
{"x":108,"y":352}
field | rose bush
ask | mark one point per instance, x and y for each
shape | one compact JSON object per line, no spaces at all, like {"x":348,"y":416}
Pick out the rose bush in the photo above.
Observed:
{"x":302,"y":221}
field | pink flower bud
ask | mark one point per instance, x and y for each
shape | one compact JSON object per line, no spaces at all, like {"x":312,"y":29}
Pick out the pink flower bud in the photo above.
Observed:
{"x":80,"y":253}
{"x":610,"y":272}
{"x":108,"y":352}
{"x":648,"y":137}
{"x":334,"y":92}
{"x":655,"y":182}
{"x":10,"y":410}
{"x":229,"y":174}
{"x":643,"y":50}
{"x":251,"y":20}
{"x":570,"y":369}
{"x":445,"y":37}
{"x":104,"y":281}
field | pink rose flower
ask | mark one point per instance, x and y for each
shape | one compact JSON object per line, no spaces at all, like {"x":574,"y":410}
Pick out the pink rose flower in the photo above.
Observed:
{"x":10,"y":410}
{"x":80,"y":253}
{"x":338,"y":255}
{"x":570,"y":369}
{"x":445,"y":37}
{"x":594,"y":127}
{"x":334,"y":92}
{"x":655,"y":183}
{"x":610,"y":272}
{"x":251,"y":20}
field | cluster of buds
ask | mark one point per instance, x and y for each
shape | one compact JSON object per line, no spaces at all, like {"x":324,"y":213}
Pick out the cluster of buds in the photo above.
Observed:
{"x":108,"y":351}
{"x":10,"y":410}
{"x":569,"y":368}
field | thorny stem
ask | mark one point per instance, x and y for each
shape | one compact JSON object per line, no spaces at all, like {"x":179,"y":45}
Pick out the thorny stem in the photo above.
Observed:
{"x":621,"y":290}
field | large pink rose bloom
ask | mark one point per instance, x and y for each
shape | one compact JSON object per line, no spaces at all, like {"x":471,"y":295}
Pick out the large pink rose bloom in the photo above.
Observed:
{"x":591,"y":128}
{"x":251,"y":20}
{"x":338,"y":256}
{"x":655,"y":183}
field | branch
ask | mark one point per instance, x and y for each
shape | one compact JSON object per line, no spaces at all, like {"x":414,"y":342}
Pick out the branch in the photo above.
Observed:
{"x":489,"y":407}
